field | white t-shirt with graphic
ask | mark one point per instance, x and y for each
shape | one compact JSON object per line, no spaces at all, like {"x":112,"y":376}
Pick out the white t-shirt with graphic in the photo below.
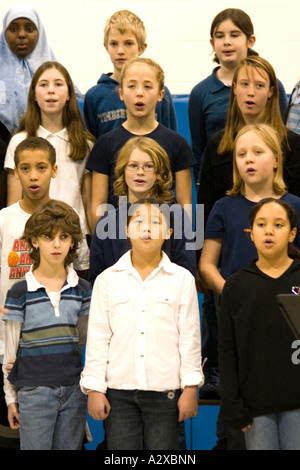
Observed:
{"x":14,"y":254}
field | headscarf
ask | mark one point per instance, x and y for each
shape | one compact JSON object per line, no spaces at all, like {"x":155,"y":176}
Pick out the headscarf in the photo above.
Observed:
{"x":16,"y":73}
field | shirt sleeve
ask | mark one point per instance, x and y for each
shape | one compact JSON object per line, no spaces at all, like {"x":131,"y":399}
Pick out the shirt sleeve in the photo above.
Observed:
{"x":82,"y":261}
{"x":189,"y":334}
{"x":99,"y":157}
{"x":12,"y":338}
{"x":184,"y":155}
{"x":93,"y":376}
{"x":232,"y":406}
{"x":215,"y":226}
{"x":9,"y":162}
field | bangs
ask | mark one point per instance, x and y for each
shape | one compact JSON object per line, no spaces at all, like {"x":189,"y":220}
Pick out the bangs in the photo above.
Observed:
{"x":250,"y":69}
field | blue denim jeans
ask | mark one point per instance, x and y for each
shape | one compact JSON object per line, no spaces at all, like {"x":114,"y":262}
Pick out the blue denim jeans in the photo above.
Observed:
{"x":280,"y":431}
{"x":142,"y":420}
{"x":52,"y":418}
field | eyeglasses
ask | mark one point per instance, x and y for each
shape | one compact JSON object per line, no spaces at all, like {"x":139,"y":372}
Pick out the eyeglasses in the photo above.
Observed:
{"x":147,"y":167}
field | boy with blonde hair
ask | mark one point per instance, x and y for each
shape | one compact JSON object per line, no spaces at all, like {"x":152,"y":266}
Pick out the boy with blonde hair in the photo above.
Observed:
{"x":124,"y":39}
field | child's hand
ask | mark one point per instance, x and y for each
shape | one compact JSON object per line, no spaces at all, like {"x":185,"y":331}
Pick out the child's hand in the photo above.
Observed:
{"x":13,"y":416}
{"x":3,"y":310}
{"x":246,"y":428}
{"x":98,"y":405}
{"x":188,"y":403}
{"x":9,"y":365}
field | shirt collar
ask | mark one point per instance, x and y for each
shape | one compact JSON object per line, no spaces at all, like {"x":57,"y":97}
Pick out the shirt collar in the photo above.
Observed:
{"x":33,"y":284}
{"x":63,"y":134}
{"x":125,"y":264}
{"x":215,"y":84}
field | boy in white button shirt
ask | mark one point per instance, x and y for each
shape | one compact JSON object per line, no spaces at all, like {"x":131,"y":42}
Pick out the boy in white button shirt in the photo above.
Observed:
{"x":143,"y":355}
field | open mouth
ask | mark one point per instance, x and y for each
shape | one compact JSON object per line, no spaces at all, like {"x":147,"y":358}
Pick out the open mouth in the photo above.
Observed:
{"x":139,"y":106}
{"x":250,"y":171}
{"x":34,"y":188}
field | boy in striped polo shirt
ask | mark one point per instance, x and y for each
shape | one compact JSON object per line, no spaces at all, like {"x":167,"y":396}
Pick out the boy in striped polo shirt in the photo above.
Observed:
{"x":46,"y":328}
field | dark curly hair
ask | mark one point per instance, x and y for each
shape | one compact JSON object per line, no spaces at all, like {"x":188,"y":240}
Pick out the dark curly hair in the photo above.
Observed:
{"x":47,"y":220}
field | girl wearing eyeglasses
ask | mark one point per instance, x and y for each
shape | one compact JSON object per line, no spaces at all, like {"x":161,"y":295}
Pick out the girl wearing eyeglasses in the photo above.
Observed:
{"x":142,"y":170}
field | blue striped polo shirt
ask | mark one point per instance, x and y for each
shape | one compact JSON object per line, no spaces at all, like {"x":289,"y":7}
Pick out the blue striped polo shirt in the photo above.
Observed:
{"x":48,"y":354}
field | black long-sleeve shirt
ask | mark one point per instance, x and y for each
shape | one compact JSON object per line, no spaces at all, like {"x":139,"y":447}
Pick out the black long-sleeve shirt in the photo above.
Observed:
{"x":257,"y":374}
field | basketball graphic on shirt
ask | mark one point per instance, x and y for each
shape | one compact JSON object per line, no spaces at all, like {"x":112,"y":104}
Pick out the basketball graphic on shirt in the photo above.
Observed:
{"x":18,"y":260}
{"x":13,"y":258}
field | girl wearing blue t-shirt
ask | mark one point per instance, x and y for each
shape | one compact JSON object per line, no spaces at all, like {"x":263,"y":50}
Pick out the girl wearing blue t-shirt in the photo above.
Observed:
{"x":232,"y":38}
{"x":141,"y":88}
{"x":257,"y":173}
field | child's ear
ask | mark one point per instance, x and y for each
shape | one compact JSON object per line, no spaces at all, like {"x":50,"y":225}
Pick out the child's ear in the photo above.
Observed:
{"x":271,"y":92}
{"x":121,"y":94}
{"x":54,"y":171}
{"x":34,"y":242}
{"x":161,"y":95}
{"x":142,"y":49}
{"x":293,"y":235}
{"x":16,"y":173}
{"x":168,"y":234}
{"x":251,"y":41}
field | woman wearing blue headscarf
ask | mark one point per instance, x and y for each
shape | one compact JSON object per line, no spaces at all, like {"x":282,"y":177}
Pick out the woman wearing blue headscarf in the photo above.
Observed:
{"x":23,"y":48}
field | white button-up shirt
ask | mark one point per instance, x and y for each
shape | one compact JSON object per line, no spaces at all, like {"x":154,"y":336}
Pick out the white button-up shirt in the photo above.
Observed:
{"x":143,"y":335}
